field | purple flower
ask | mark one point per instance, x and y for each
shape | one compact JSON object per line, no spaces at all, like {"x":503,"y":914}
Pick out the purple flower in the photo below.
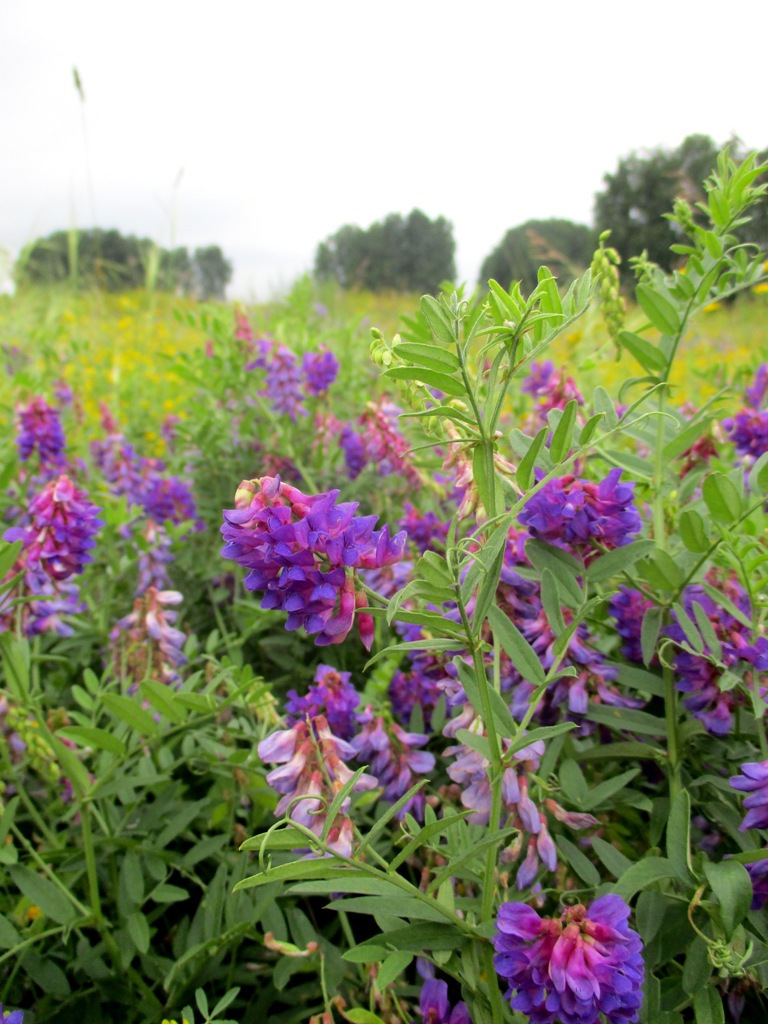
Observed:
{"x":40,"y":430}
{"x":748,"y":431}
{"x":753,"y":780}
{"x":426,"y":531}
{"x":571,"y":969}
{"x":313,"y":767}
{"x":755,"y":394}
{"x":698,"y":675}
{"x":333,"y":696}
{"x":12,"y":1017}
{"x":62,"y":524}
{"x":154,"y":558}
{"x":303,"y":551}
{"x":628,"y":607}
{"x":353,"y":447}
{"x":320,"y":371}
{"x":167,"y":498}
{"x":571,"y":512}
{"x":145,"y":644}
{"x":758,"y":876}
{"x":435,"y":1008}
{"x":283,"y":382}
{"x":389,"y":750}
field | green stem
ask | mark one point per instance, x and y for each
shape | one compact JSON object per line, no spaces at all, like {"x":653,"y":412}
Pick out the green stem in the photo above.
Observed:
{"x":673,"y":743}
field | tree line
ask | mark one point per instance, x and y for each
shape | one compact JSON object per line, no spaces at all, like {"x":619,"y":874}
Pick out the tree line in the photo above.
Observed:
{"x":114,"y":262}
{"x":417,"y":254}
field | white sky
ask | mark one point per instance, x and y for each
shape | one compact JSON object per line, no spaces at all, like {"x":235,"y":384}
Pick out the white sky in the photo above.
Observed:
{"x":264,"y":126}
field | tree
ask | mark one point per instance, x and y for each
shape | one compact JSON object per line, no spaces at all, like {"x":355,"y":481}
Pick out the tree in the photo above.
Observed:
{"x":566,"y":248}
{"x":211,"y":272}
{"x":115,"y":262}
{"x":644,"y":188}
{"x":406,"y":254}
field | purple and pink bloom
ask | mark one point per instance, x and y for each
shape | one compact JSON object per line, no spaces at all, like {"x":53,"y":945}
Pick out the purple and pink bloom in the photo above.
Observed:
{"x":571,"y":969}
{"x":303,"y":551}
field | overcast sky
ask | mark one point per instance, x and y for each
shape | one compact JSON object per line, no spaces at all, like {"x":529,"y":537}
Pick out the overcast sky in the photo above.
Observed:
{"x":264,"y":126}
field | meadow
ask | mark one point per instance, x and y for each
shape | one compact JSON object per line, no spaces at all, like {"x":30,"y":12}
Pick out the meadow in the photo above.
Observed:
{"x":389,"y":659}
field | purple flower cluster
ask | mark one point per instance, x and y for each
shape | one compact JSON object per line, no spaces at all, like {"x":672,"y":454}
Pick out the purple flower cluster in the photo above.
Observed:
{"x":320,"y":370}
{"x":145,"y":644}
{"x":435,"y":1007}
{"x":283,"y":382}
{"x":313,"y":768}
{"x":571,"y":969}
{"x":393,"y":759}
{"x":627,"y":607}
{"x":553,"y":390}
{"x":699,"y":675}
{"x":426,"y":530}
{"x":748,"y":431}
{"x":594,"y":681}
{"x":755,"y":394}
{"x":303,"y":551}
{"x":375,"y":439}
{"x":60,"y":532}
{"x":143,"y":481}
{"x":40,"y":431}
{"x":470,"y":770}
{"x":753,"y":780}
{"x":334,"y":696}
{"x":585,"y":516}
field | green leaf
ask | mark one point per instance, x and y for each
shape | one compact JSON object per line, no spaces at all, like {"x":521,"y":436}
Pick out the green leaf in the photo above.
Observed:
{"x":659,"y":310}
{"x":679,"y":837}
{"x":524,"y":474}
{"x":563,"y":435}
{"x":708,"y":1006}
{"x":581,"y":864}
{"x":434,"y":828}
{"x":609,"y":788}
{"x":627,"y":719}
{"x":619,"y":560}
{"x":506,"y":725}
{"x":520,"y":652}
{"x":395,"y":906}
{"x":649,"y":357}
{"x":44,"y":894}
{"x":391,"y":969}
{"x":550,"y":599}
{"x":89,"y":736}
{"x":707,"y":630}
{"x":9,"y":937}
{"x":326,"y":867}
{"x":432,"y":378}
{"x":649,"y":633}
{"x":127,"y":710}
{"x":440,"y":322}
{"x":360,"y":1016}
{"x":732,"y":886}
{"x":563,"y":565}
{"x":697,"y":969}
{"x":416,"y":938}
{"x":686,"y":438}
{"x":163,"y":699}
{"x":587,"y":432}
{"x":692,"y":635}
{"x":434,"y":358}
{"x":8,"y":555}
{"x":641,"y":875}
{"x":693,"y":531}
{"x":138,"y":929}
{"x":603,"y":403}
{"x":721,"y":498}
{"x":612,"y":858}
